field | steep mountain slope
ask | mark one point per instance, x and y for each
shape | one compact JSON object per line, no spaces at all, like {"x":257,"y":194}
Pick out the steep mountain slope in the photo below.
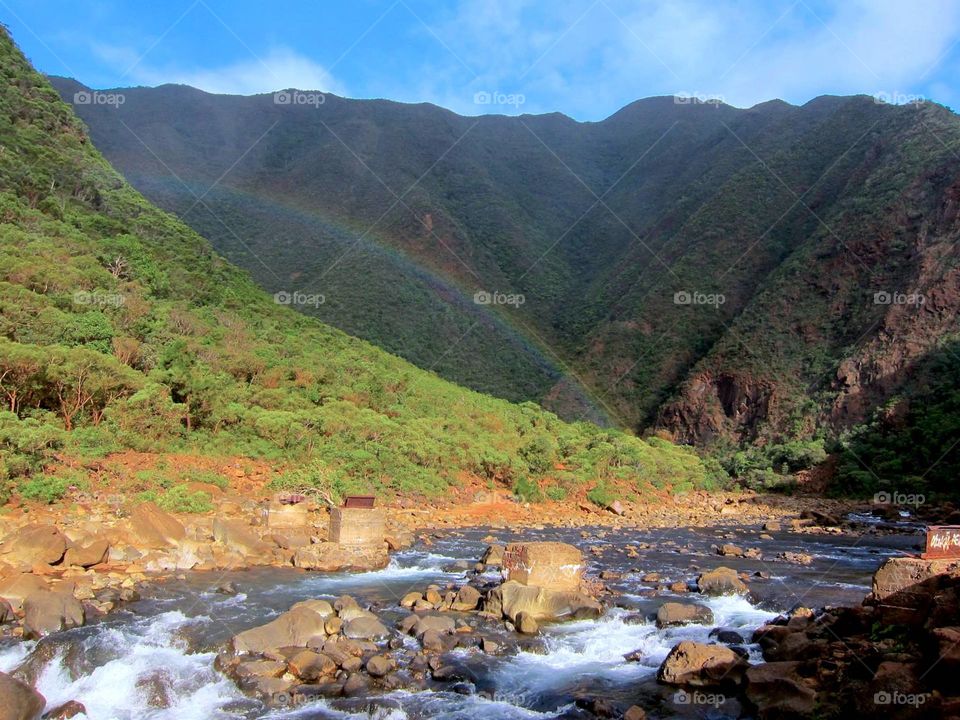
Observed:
{"x":121,"y":329}
{"x":779,"y":223}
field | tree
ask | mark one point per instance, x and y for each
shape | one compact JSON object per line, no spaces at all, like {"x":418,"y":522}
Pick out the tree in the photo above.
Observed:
{"x":82,"y":380}
{"x":21,"y":373}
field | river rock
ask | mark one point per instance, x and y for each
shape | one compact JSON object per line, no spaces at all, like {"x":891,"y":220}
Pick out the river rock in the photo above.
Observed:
{"x":731,"y":550}
{"x":721,"y":581}
{"x":247,"y":672}
{"x":151,"y":527}
{"x":293,"y":628}
{"x":410,"y":599}
{"x":777,"y":691}
{"x":365,"y":628}
{"x":511,"y":598}
{"x":468,"y":597}
{"x":322,"y":607}
{"x":93,"y":554}
{"x":33,"y":545}
{"x":355,"y":685}
{"x":333,"y":557}
{"x":673,"y":613}
{"x":379,"y":665}
{"x":493,"y":555}
{"x":526,"y":624}
{"x":821,"y":518}
{"x":47,"y":611}
{"x":15,"y":588}
{"x":906,"y":588}
{"x":239,"y":536}
{"x":698,"y":665}
{"x":442,"y":624}
{"x":69,"y":709}
{"x":19,"y":701}
{"x":550,"y":565}
{"x":310,"y":665}
{"x":400,"y":541}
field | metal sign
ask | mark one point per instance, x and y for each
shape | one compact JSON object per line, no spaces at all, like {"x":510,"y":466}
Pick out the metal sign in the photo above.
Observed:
{"x":943,"y":541}
{"x":359,"y":501}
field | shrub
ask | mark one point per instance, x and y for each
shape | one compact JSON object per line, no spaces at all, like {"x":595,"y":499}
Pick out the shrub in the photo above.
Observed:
{"x":179,"y":499}
{"x":50,"y":488}
{"x":601,"y":495}
{"x":527,"y":490}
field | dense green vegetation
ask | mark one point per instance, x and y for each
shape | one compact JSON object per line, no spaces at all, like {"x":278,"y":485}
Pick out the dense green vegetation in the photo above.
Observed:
{"x":121,"y":329}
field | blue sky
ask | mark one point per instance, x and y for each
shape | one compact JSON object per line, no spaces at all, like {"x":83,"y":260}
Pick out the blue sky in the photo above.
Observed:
{"x":586,"y":58}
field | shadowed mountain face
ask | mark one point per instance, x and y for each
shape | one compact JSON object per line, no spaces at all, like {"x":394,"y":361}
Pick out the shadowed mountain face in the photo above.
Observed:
{"x":721,"y":273}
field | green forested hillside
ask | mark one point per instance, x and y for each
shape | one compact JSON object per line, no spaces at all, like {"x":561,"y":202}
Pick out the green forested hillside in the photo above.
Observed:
{"x":795,"y":216}
{"x":120,"y":328}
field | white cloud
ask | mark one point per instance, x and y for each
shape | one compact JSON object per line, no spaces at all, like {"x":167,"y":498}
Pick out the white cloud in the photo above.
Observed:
{"x":590,"y":59}
{"x":278,"y":69}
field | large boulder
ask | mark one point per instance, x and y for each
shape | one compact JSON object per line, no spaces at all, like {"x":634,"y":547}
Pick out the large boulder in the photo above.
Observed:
{"x":777,"y":691}
{"x":151,"y":527}
{"x":33,"y":545}
{"x":697,"y":665}
{"x":551,"y":565}
{"x":443,"y":624}
{"x":365,"y":628}
{"x":467,"y":599}
{"x":19,"y":701}
{"x":721,"y":581}
{"x":239,"y":536}
{"x":511,"y":598}
{"x":294,"y":628}
{"x":15,"y":588}
{"x":88,"y":555}
{"x":332,"y":557}
{"x":47,"y":612}
{"x":906,"y":589}
{"x":673,"y":613}
{"x":493,"y":555}
{"x":901,"y":574}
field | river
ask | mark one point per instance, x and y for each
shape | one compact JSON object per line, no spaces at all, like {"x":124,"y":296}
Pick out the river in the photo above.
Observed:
{"x":154,"y":658}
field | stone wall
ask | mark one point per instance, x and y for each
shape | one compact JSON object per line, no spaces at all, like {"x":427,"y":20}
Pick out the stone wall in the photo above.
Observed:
{"x":287,"y":517}
{"x":357,"y":526}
